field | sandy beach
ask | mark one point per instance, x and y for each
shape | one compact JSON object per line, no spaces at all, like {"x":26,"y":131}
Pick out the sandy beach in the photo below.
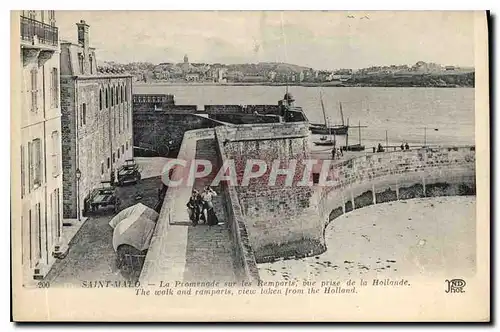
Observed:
{"x":424,"y":237}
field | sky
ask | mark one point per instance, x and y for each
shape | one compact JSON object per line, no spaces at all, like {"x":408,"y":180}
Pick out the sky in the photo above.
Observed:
{"x":317,"y":39}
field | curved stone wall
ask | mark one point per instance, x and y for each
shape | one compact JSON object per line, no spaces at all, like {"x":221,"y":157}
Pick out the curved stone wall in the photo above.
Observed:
{"x":383,"y":177}
{"x":354,"y":183}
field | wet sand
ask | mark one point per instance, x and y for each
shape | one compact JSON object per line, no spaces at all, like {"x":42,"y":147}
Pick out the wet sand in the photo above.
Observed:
{"x":419,"y":237}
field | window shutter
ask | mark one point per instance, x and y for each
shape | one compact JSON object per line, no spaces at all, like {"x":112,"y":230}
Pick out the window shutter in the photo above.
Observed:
{"x":34,"y":91}
{"x":37,"y":171}
{"x":55,"y":87}
{"x":30,"y":166}
{"x":55,"y":153}
{"x":22,"y":171}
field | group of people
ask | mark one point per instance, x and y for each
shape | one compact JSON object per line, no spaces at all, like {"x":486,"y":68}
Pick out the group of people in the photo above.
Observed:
{"x":337,"y":153}
{"x":201,"y":207}
{"x":380,"y":148}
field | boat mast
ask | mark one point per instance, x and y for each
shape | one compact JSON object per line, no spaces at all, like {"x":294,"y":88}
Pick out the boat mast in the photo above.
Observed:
{"x":347,"y":136}
{"x":341,"y":113}
{"x":359,"y":126}
{"x":323,"y":107}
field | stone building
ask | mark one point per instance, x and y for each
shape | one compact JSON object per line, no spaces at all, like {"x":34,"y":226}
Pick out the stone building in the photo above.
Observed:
{"x":40,"y":145}
{"x":96,"y":122}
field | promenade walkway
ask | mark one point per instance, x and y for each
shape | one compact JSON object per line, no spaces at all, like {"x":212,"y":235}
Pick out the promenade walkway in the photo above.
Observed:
{"x":180,"y":251}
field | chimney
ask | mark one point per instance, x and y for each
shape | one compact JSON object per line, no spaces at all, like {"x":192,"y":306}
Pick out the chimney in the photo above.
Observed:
{"x":83,"y":34}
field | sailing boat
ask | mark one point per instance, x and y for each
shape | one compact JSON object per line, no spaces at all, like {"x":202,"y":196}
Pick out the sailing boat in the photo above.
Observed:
{"x":323,"y":139}
{"x":325,"y":129}
{"x":354,"y":147}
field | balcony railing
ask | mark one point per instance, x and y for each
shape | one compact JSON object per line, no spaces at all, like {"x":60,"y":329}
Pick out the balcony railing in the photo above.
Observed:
{"x":45,"y":33}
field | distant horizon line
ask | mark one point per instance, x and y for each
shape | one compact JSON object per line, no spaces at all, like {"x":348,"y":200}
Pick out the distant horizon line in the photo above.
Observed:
{"x":288,"y":63}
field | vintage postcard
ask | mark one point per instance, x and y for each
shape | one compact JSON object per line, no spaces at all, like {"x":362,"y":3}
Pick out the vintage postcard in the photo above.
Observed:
{"x":250,"y":166}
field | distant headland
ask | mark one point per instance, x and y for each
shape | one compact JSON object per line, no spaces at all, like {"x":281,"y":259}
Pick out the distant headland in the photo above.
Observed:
{"x":421,"y":74}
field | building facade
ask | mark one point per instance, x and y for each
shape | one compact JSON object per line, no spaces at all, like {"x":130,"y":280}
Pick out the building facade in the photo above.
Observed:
{"x":96,"y":122}
{"x":40,"y":150}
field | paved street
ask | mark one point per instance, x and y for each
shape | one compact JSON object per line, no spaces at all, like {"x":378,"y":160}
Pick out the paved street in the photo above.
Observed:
{"x":91,"y":256}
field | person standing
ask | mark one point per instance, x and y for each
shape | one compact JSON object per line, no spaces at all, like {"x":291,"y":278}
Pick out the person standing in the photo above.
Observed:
{"x":208,"y":206}
{"x":194,"y":207}
{"x":333,"y":153}
{"x":407,"y":147}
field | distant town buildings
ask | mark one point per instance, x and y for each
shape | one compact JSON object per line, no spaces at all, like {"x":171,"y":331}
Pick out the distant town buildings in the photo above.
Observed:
{"x":278,"y":72}
{"x":96,"y":121}
{"x":184,"y":71}
{"x":40,"y":149}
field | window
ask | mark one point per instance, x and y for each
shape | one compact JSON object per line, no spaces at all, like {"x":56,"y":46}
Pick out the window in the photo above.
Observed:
{"x":84,"y":113}
{"x":122,"y":93}
{"x":37,"y":162}
{"x":90,"y":60}
{"x":123,"y":149}
{"x":34,"y":90}
{"x":116,"y":96}
{"x":112,"y":96}
{"x":22,"y":171}
{"x":100,"y":99}
{"x":55,"y":153}
{"x":54,"y":87}
{"x":106,"y":98}
{"x":108,"y":163}
{"x":126,"y":145}
{"x":114,"y":157}
{"x":119,"y":121}
{"x":118,"y":153}
{"x":102,"y":168}
{"x":80,"y":62}
{"x":126,"y":92}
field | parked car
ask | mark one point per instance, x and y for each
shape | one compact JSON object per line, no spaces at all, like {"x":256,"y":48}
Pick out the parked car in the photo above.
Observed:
{"x":104,"y":197}
{"x":129,"y":172}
